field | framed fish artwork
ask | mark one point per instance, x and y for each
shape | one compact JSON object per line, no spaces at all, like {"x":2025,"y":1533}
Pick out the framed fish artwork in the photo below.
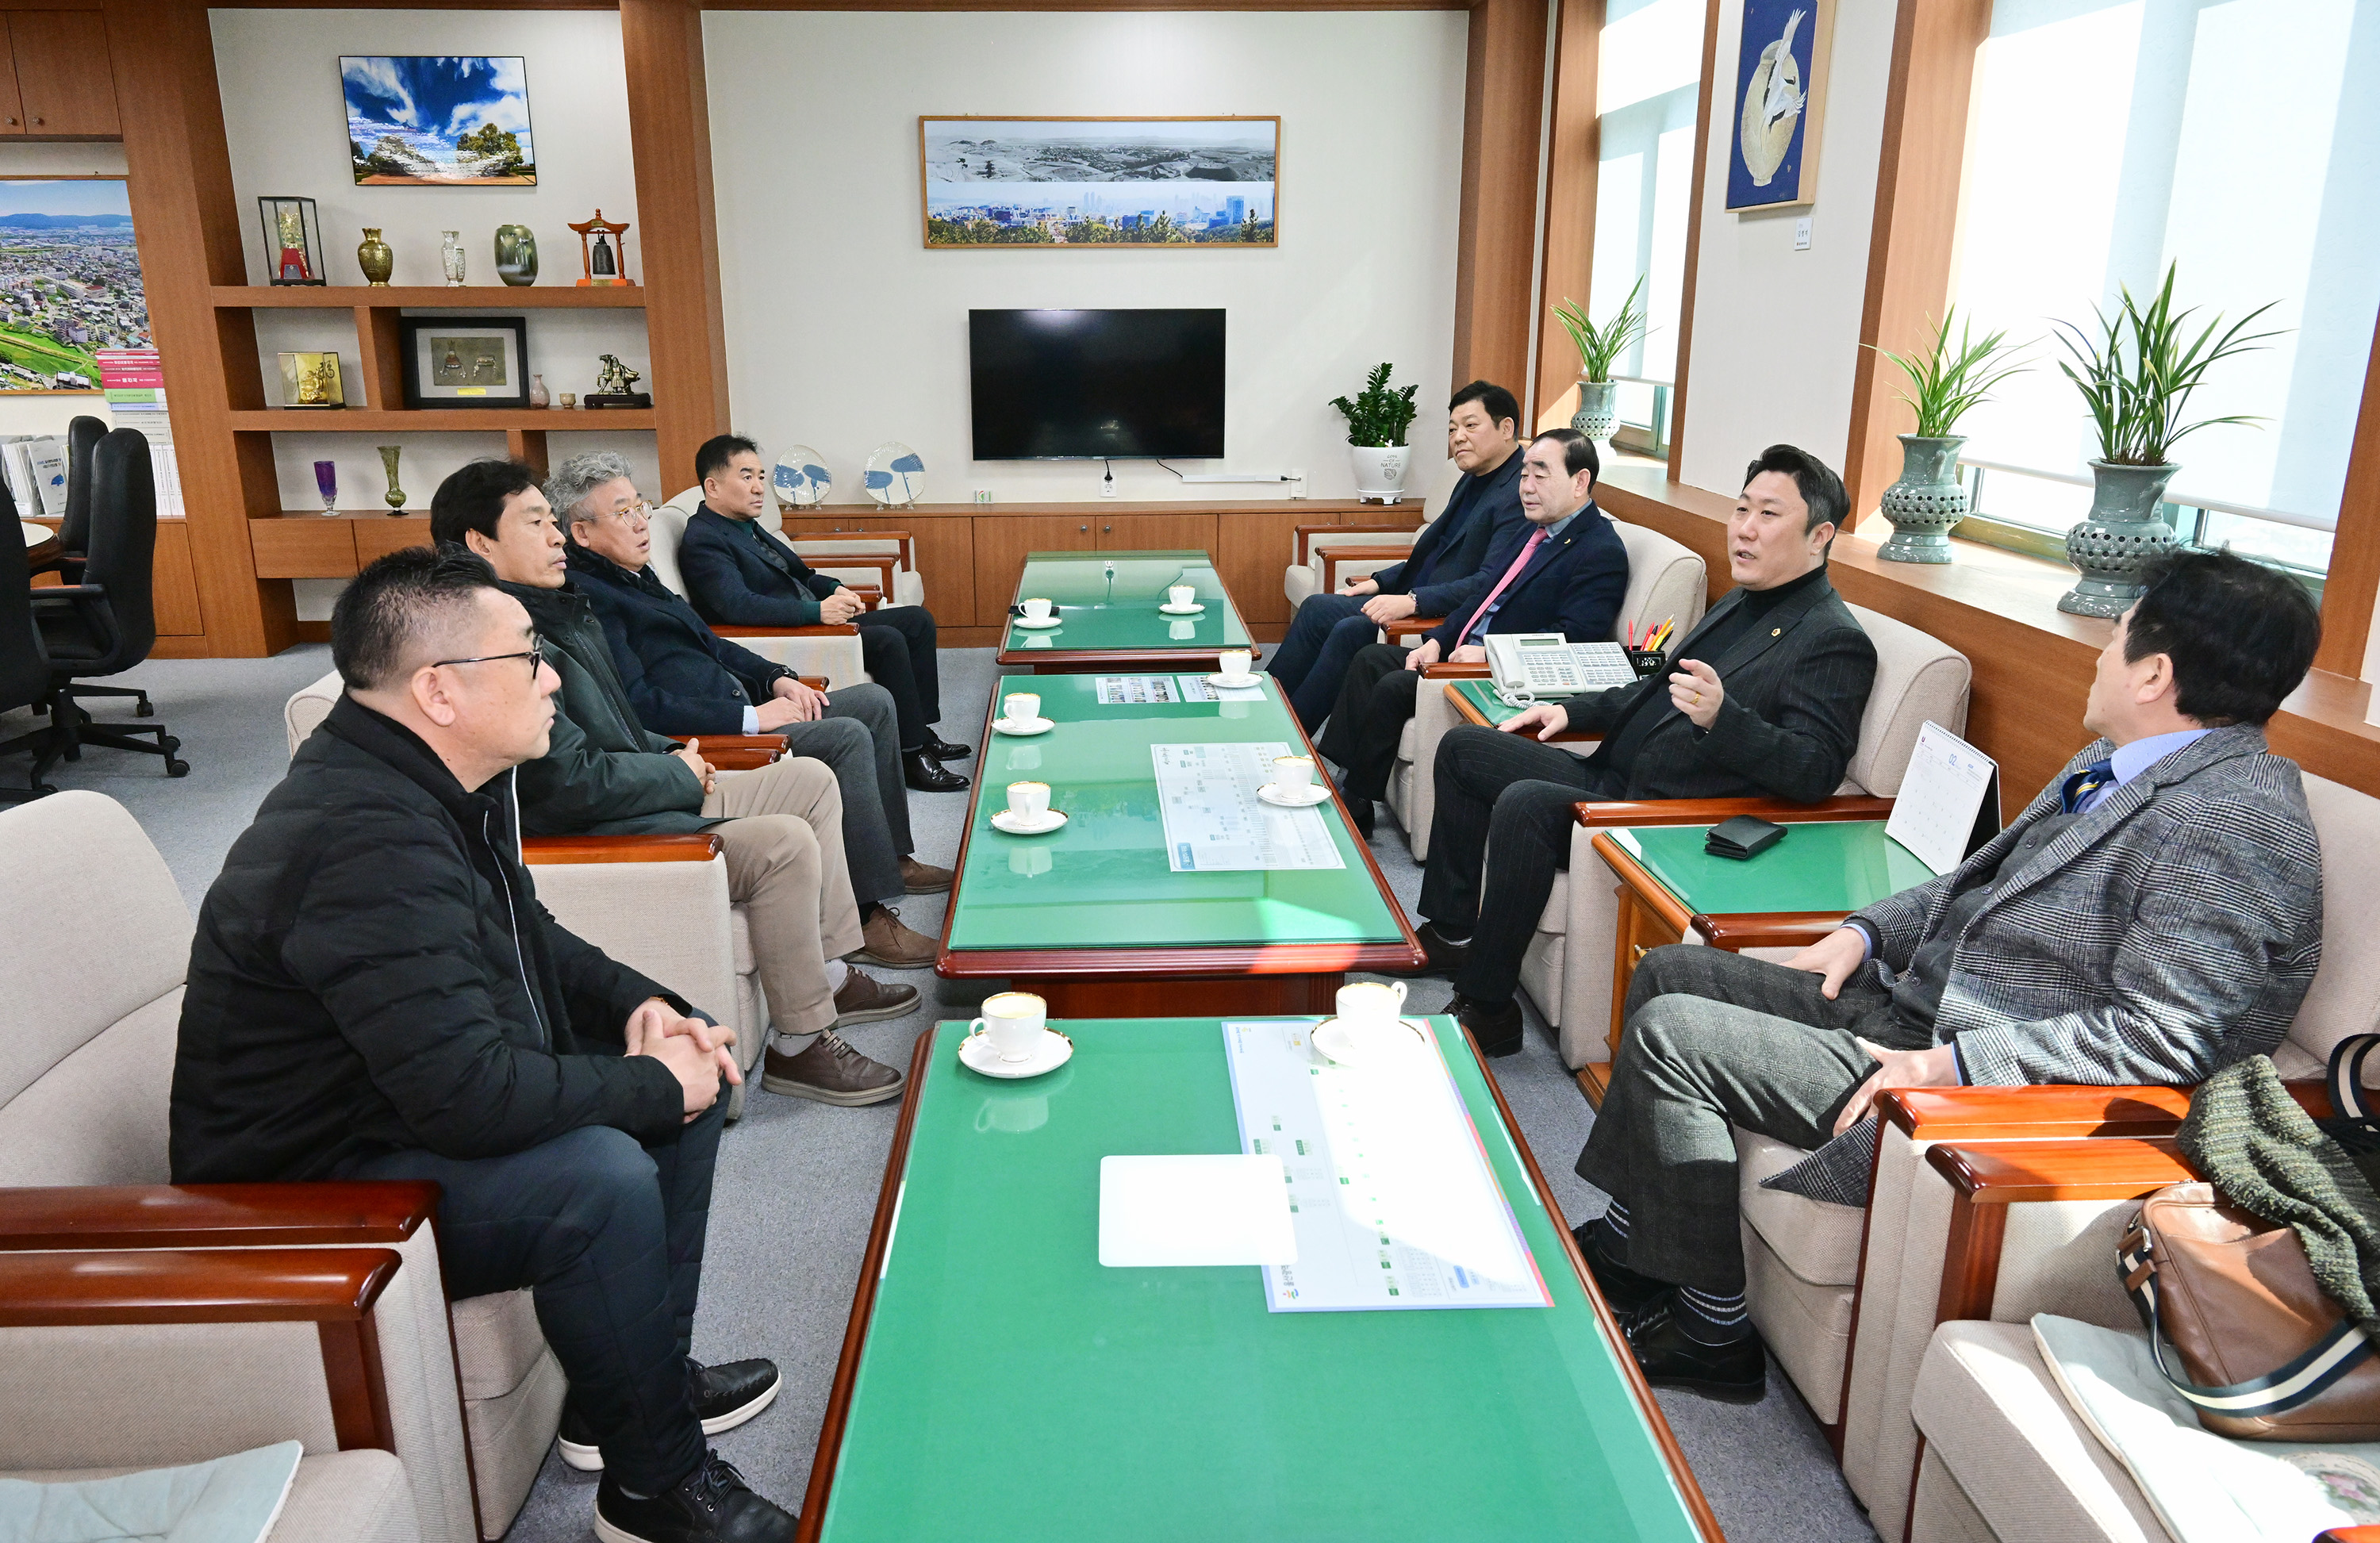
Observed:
{"x":1780,"y":92}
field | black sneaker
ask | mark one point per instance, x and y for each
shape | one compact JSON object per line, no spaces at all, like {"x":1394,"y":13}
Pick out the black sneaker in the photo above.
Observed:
{"x":1498,"y":1029}
{"x":712,"y":1504}
{"x":724,"y":1397}
{"x":1623,"y":1290}
{"x":1667,"y":1355}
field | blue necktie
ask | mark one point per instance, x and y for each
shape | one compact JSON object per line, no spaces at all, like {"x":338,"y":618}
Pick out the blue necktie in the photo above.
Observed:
{"x":2085,"y":786}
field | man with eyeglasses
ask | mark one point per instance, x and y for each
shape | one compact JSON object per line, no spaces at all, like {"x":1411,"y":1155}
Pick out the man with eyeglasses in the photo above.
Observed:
{"x":374,"y":992}
{"x":604,"y":773}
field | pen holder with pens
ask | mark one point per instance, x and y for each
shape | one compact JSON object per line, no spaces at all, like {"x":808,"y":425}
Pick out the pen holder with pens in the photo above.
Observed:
{"x":1645,"y":661}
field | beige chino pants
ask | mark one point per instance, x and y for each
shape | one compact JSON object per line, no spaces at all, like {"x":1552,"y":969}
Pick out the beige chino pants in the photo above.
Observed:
{"x":782,"y":839}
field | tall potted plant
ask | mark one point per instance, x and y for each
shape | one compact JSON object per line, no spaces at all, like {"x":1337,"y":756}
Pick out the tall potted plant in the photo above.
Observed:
{"x":1598,"y":348}
{"x":1377,"y":421}
{"x":2136,"y":380}
{"x":1943,"y":384}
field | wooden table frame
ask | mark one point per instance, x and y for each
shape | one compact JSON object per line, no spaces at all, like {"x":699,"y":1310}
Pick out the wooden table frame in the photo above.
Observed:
{"x":1083,"y":662}
{"x":1223,"y":979}
{"x":879,"y":1240}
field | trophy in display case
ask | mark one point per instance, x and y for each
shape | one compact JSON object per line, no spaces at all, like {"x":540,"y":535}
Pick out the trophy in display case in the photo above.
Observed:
{"x":293,"y":240}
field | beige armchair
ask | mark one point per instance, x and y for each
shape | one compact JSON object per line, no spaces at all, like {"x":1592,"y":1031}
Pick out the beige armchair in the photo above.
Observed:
{"x":1665,"y":579}
{"x":883,"y":561}
{"x":831,"y":652}
{"x":1317,"y":566}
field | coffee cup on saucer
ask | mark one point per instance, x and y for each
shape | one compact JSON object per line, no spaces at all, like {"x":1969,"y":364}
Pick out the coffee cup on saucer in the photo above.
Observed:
{"x":1292,"y":773}
{"x":1182,"y":596}
{"x":1013,"y":1021}
{"x":1021,"y":708}
{"x":1233,"y":664}
{"x":1028,"y":801}
{"x":1371,"y":1005}
{"x":1036,"y":610}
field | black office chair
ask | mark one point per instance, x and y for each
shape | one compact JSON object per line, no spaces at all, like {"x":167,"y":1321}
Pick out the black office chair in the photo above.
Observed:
{"x":74,"y":531}
{"x":24,"y":663}
{"x":107,"y":624}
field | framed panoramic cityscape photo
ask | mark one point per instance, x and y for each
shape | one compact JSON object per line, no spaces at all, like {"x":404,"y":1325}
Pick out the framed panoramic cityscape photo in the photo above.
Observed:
{"x":69,"y":281}
{"x":1099,"y":182}
{"x":437,"y":119}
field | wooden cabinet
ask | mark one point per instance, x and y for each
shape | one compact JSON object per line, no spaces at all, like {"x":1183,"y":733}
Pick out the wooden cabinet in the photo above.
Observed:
{"x":1189,"y":532}
{"x":61,"y":83}
{"x":944,"y":546}
{"x":173,"y":584}
{"x":375,"y":538}
{"x":1000,"y":543}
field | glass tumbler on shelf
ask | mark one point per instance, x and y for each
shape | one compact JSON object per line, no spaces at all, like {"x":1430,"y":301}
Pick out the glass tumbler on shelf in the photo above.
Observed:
{"x":326,"y":480}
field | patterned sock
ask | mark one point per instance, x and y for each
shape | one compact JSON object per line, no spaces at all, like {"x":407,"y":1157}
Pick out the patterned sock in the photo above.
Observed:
{"x":1610,"y":1232}
{"x":1709,"y":1317}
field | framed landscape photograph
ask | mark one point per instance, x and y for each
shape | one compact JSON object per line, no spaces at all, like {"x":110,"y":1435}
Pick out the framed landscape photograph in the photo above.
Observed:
{"x":438,"y":119}
{"x":465,"y":361}
{"x":69,"y":281}
{"x":1099,"y":182}
{"x":1780,"y":94}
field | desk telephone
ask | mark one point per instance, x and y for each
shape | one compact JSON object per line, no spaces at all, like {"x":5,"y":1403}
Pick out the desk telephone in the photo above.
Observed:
{"x":1528,"y":667}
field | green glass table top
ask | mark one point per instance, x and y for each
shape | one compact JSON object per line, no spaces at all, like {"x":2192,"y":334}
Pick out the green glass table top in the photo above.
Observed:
{"x":1094,"y":615}
{"x":1481,"y":694}
{"x":1818,"y":866}
{"x":1010,"y":1387}
{"x":1102,"y":879}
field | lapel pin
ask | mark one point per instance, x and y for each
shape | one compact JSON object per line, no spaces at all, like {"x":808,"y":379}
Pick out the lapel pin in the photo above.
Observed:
{"x":1776,"y":632}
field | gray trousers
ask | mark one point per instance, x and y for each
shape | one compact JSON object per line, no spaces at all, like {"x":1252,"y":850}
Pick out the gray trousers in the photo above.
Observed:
{"x":859,"y":739}
{"x":1716,"y":1041}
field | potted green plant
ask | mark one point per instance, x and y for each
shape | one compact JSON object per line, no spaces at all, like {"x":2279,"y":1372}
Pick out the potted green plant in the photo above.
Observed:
{"x":1944,"y":383}
{"x":2136,"y":380}
{"x":1377,"y":421}
{"x":1598,"y":348}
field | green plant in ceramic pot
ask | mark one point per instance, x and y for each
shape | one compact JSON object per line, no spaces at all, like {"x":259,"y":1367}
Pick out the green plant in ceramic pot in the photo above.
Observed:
{"x":1598,"y":348}
{"x":1944,"y":383}
{"x":1377,"y":421}
{"x":2136,"y":379}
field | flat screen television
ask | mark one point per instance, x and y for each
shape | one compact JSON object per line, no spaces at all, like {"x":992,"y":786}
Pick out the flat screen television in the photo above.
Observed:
{"x":1096,"y":384}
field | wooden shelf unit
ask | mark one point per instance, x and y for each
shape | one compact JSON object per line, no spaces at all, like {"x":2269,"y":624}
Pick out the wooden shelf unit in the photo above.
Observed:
{"x":444,"y":420}
{"x":426,"y":297}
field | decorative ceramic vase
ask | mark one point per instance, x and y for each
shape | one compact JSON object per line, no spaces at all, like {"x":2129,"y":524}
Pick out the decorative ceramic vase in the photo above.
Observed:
{"x":375,"y":258}
{"x":450,"y":256}
{"x":515,"y":254}
{"x":538,"y":397}
{"x":395,"y":497}
{"x":1927,"y":501}
{"x":1380,"y":472}
{"x":2122,"y":531}
{"x":1599,"y":408}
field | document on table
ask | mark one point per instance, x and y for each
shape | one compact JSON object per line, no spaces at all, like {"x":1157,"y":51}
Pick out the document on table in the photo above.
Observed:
{"x":1215,"y":823}
{"x":1198,"y":688}
{"x":1135,"y":690}
{"x":1949,"y":803}
{"x":1390,"y":1196}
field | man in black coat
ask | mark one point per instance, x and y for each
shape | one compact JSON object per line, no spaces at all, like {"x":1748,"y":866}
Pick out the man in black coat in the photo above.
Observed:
{"x":1766,"y":698}
{"x":739,"y":575}
{"x":1440,"y":577}
{"x":374,"y":992}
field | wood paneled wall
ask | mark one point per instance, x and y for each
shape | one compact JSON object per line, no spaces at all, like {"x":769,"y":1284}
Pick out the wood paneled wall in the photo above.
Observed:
{"x":1496,"y":252}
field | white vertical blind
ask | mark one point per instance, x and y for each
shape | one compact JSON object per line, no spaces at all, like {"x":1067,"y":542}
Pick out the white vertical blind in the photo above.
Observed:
{"x":1648,"y":76}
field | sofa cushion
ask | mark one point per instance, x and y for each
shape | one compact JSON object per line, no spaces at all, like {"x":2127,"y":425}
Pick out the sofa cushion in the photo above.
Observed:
{"x":1918,"y":677}
{"x":497,"y":1341}
{"x":1817,"y":1242}
{"x":99,"y":1116}
{"x":1555,"y":917}
{"x":2345,"y":997}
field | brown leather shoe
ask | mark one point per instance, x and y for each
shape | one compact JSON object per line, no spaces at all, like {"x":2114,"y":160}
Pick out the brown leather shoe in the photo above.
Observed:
{"x":832,"y":1073}
{"x":883,"y":941}
{"x":864,"y":999}
{"x":924,"y":878}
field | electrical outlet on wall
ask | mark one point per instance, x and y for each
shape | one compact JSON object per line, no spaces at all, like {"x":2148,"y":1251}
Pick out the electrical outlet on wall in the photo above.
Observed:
{"x":1801,"y":234}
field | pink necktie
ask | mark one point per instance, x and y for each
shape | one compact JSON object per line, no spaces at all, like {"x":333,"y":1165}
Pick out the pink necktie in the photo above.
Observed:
{"x":1528,"y":550}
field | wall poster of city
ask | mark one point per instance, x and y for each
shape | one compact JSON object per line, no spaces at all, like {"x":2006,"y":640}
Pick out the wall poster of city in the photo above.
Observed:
{"x":1099,"y":182}
{"x":69,"y":281}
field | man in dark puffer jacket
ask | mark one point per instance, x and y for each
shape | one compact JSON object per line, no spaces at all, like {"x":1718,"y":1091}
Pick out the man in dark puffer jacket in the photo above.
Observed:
{"x":374,"y":992}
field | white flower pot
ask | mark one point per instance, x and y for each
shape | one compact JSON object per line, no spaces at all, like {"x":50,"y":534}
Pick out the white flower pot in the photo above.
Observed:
{"x":1380,"y":471}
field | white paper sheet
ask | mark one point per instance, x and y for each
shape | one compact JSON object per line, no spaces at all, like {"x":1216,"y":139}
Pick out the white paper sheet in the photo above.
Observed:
{"x":1940,"y":796}
{"x":1135,"y":691}
{"x":1198,"y":688}
{"x":1390,"y":1196}
{"x":1216,"y":1209}
{"x":1215,"y":823}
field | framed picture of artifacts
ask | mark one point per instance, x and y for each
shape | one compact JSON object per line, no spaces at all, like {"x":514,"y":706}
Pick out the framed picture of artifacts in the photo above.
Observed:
{"x":1780,"y":94}
{"x":465,"y":361}
{"x":1099,"y":182}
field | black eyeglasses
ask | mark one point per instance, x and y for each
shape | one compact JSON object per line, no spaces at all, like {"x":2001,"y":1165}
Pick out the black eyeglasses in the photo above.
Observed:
{"x":534,"y":655}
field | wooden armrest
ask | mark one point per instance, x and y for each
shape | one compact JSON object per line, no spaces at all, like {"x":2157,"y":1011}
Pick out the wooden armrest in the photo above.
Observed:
{"x":1305,"y":534}
{"x":869,"y":593}
{"x":883,"y":566}
{"x":908,"y":558}
{"x":1411,"y":627}
{"x":1988,"y":1178}
{"x":192,"y":1285}
{"x":1333,"y":556}
{"x":695,"y":846}
{"x":1455,"y":672}
{"x":735,"y":741}
{"x":2054,"y":1111}
{"x":1768,"y":929}
{"x":215,"y":1216}
{"x":742,"y":760}
{"x":823,"y":629}
{"x":1711,"y":811}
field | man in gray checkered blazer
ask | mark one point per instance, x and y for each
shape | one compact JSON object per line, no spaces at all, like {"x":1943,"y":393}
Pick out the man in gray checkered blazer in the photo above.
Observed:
{"x":2153,"y":915}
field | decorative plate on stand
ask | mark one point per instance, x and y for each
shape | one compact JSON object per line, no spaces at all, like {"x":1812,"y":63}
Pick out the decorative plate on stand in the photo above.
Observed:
{"x":896,"y":475}
{"x":801,"y":478}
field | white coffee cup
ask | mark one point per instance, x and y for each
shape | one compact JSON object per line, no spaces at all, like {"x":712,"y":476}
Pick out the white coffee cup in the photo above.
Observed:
{"x":1182,"y":595}
{"x":1028,"y":800}
{"x":1021,"y":707}
{"x":1292,"y":772}
{"x":1369,"y":1002}
{"x":1013,"y":1021}
{"x":1234,"y":662}
{"x":1036,"y":610}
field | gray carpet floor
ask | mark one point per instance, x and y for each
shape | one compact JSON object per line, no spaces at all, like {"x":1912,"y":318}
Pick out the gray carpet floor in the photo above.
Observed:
{"x":797,"y":1180}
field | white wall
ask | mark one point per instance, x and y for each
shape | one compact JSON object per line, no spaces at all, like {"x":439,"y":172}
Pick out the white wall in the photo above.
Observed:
{"x":843,"y":332}
{"x":284,"y":116}
{"x":1776,"y":335}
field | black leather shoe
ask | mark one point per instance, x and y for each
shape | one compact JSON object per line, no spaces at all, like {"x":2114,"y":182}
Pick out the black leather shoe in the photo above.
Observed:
{"x":1498,"y":1029}
{"x":1668,"y":1354}
{"x":724,"y":1397}
{"x":712,"y":1504}
{"x":1623,"y":1290}
{"x":942,"y":749}
{"x":1359,"y":814}
{"x":925,"y":775}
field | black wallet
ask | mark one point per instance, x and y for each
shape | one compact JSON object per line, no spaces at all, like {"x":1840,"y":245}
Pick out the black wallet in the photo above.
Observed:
{"x":1745,"y":836}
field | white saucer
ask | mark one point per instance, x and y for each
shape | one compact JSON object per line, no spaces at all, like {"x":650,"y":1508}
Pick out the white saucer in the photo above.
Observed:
{"x":1293,"y":797}
{"x":1050,"y":820}
{"x":1039,"y":627}
{"x":1235,"y":683}
{"x":1333,"y":1040}
{"x":975,"y":1054}
{"x":1024,"y":727}
{"x":1181,"y":610}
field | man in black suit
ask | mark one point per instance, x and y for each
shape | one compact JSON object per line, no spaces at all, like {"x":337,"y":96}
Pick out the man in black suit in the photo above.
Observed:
{"x":1442,"y":574}
{"x":1766,"y":698}
{"x":739,"y":575}
{"x":1564,"y":570}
